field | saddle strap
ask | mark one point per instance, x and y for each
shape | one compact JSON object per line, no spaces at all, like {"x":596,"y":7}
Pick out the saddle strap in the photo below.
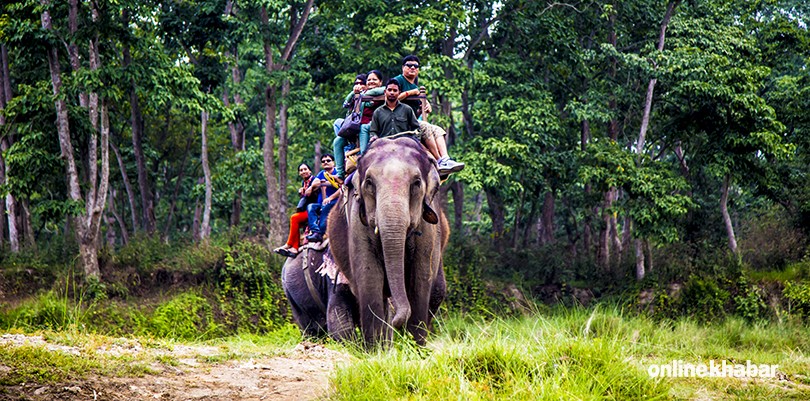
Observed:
{"x":310,"y":285}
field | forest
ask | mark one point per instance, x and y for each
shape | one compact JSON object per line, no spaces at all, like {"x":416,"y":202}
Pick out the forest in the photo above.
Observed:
{"x":604,"y":140}
{"x":637,"y":188}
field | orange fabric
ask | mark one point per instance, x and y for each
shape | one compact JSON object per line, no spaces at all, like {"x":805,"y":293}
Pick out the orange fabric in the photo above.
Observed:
{"x":297,"y":220}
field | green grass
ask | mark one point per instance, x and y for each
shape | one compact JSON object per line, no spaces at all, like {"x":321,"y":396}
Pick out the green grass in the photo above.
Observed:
{"x":578,"y":354}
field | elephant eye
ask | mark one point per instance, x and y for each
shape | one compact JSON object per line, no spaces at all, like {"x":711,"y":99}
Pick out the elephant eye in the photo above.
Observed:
{"x":370,"y":186}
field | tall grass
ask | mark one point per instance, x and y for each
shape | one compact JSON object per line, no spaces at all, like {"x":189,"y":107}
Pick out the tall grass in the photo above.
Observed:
{"x":576,"y":354}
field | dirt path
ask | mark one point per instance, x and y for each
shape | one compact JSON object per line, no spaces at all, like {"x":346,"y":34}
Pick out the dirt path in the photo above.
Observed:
{"x":300,"y":374}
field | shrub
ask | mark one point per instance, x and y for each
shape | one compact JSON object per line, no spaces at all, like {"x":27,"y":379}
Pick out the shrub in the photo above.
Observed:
{"x":704,"y":299}
{"x":797,"y":296}
{"x":249,"y":289}
{"x":188,"y":316}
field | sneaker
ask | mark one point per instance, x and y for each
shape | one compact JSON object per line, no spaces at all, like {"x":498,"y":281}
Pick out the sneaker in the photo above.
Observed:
{"x":315,"y":237}
{"x":448,"y":166}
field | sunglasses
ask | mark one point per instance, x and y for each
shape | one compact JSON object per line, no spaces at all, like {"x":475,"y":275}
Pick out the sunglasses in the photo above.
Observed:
{"x":409,"y":65}
{"x":358,"y":83}
{"x":326,"y":161}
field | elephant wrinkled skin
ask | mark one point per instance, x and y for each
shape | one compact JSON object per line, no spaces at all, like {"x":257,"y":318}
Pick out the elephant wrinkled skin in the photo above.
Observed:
{"x":387,"y":238}
{"x":327,"y":308}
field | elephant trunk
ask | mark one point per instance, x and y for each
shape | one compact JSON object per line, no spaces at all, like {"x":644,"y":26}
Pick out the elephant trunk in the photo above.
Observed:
{"x":392,"y":235}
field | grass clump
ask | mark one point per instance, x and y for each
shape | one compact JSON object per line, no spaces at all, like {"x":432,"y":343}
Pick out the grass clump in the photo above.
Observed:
{"x":187,"y":316}
{"x":599,"y":353}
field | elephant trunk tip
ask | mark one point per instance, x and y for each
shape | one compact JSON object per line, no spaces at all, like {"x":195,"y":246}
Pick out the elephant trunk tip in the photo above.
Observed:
{"x":401,"y":316}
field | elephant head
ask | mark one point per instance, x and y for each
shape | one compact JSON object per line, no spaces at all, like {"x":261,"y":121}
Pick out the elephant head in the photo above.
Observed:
{"x":396,"y":183}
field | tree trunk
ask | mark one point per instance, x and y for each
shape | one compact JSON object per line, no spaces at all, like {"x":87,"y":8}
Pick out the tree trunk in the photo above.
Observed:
{"x":177,"y":184}
{"x":496,"y":214}
{"x":458,"y":205}
{"x":732,"y":240}
{"x":25,"y":222}
{"x":587,"y":233}
{"x":147,"y":203}
{"x":205,"y":229}
{"x":518,"y":215}
{"x":13,"y":232}
{"x":282,"y":144}
{"x":127,"y":186}
{"x":603,"y":254}
{"x":111,"y":205}
{"x":195,"y":226}
{"x":236,"y":128}
{"x":547,"y":219}
{"x":271,"y":182}
{"x":8,"y":209}
{"x":639,"y":245}
{"x":87,"y":226}
{"x":645,"y":119}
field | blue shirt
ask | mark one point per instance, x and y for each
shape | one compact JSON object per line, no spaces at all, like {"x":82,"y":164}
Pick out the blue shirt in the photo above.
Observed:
{"x":324,"y":184}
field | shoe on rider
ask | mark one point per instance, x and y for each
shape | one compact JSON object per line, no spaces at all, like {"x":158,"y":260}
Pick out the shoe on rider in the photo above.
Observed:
{"x":315,"y":237}
{"x":447,"y":166}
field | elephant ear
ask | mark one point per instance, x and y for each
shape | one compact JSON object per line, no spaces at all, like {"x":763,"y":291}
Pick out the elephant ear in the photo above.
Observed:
{"x":428,"y":214}
{"x":361,"y":211}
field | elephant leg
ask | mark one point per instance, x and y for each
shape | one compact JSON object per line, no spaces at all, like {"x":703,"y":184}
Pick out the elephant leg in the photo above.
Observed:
{"x":341,"y":313}
{"x":437,"y":295}
{"x":420,"y":314}
{"x":372,"y":313}
{"x":309,"y":326}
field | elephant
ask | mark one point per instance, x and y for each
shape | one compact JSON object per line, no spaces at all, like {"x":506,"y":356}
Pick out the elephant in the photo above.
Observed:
{"x":387,"y":236}
{"x":320,"y":305}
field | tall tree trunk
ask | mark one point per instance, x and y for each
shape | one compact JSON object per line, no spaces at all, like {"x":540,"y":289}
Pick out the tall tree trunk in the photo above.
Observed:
{"x":639,"y":245}
{"x":645,"y":122}
{"x":25,"y":222}
{"x":732,"y":239}
{"x":283,"y":134}
{"x":603,"y":254}
{"x":3,"y":148}
{"x":178,"y":183}
{"x":205,"y":229}
{"x":587,"y":233}
{"x":147,"y":202}
{"x":195,"y":225}
{"x":127,"y":186}
{"x":496,"y":214}
{"x":518,"y":215}
{"x":236,"y":127}
{"x":458,"y":205}
{"x":608,"y":233}
{"x":547,"y":218}
{"x":87,"y":226}
{"x":111,"y":205}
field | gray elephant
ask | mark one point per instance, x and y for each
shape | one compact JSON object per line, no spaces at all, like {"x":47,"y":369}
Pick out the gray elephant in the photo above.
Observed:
{"x":387,"y":238}
{"x":320,"y":304}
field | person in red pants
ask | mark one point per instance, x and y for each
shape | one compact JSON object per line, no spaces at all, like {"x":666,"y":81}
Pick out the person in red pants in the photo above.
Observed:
{"x":299,"y":218}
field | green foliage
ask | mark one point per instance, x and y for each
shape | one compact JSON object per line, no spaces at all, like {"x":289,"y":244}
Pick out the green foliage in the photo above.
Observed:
{"x":187,"y":316}
{"x":249,"y":289}
{"x":749,"y":301}
{"x":797,"y":295}
{"x":704,"y":299}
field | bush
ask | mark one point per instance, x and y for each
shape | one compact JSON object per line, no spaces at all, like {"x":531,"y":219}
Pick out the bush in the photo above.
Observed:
{"x":249,"y":289}
{"x":797,"y":296}
{"x":188,"y":316}
{"x":704,"y":299}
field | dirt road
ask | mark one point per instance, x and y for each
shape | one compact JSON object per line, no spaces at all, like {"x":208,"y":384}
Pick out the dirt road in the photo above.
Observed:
{"x":299,"y":374}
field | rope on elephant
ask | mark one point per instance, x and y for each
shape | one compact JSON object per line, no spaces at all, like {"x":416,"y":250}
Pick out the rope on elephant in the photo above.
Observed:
{"x":305,"y":265}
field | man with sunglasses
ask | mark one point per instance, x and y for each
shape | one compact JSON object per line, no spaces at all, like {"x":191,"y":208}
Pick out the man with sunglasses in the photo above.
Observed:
{"x":318,"y":212}
{"x":432,"y":135}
